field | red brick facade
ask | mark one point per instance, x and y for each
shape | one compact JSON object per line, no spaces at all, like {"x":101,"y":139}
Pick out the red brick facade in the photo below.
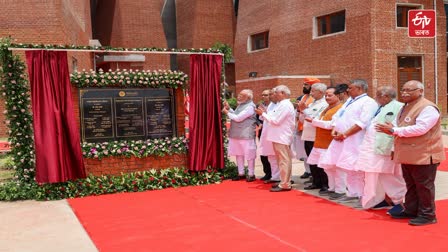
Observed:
{"x":368,"y":48}
{"x":50,"y":22}
{"x":118,"y":165}
{"x":202,"y":23}
{"x":130,"y":24}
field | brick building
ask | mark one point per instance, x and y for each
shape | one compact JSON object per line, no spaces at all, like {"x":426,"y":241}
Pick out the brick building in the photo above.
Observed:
{"x":50,"y":22}
{"x":120,"y":23}
{"x":337,"y":41}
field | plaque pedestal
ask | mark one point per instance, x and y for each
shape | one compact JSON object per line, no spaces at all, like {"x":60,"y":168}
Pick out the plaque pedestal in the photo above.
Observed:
{"x":117,"y":165}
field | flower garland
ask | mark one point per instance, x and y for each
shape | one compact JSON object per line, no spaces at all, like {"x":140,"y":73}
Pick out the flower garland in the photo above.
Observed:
{"x":139,"y":148}
{"x":112,"y":49}
{"x":131,"y":78}
{"x":16,"y":94}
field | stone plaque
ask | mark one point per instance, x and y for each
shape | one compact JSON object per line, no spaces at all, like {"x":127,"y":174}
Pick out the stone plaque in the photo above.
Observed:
{"x":96,"y":118}
{"x":159,"y":120}
{"x":129,"y":116}
{"x":113,"y":114}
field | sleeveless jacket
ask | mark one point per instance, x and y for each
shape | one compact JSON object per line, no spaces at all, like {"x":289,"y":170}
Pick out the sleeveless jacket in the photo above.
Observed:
{"x":419,"y":150}
{"x":246,"y":128}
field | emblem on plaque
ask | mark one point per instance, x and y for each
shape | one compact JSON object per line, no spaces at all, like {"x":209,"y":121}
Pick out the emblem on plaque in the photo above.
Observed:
{"x":121,"y":93}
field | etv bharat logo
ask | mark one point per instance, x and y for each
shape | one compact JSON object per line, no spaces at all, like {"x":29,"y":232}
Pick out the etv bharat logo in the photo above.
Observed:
{"x":422,"y":23}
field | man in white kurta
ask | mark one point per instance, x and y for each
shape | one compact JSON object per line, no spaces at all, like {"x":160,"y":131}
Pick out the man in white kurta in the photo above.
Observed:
{"x":348,"y":132}
{"x":309,"y":133}
{"x":266,"y":147}
{"x":242,"y":134}
{"x":281,"y":129}
{"x":382,"y":175}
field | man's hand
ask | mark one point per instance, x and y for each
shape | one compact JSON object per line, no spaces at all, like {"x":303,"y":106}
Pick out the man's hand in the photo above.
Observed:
{"x":309,"y":119}
{"x":226,"y":106}
{"x":225,"y":111}
{"x":260,"y":110}
{"x":337,"y":135}
{"x":301,"y":105}
{"x":386,"y":128}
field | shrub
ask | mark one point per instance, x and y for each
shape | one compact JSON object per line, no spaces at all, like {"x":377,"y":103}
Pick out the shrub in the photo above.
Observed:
{"x":107,"y":184}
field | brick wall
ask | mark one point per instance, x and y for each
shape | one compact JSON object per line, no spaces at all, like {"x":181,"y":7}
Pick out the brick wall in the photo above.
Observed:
{"x":367,"y":49}
{"x":202,"y":23}
{"x":130,"y":24}
{"x":391,"y":42}
{"x":257,"y":85}
{"x":118,"y":165}
{"x":50,"y":22}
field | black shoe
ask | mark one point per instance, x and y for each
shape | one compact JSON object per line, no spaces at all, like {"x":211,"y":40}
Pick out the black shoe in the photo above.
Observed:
{"x":421,"y":221}
{"x":239,"y":177}
{"x":275,"y":185}
{"x":270,"y":181}
{"x":279,"y":189}
{"x":335,"y":195}
{"x":305,"y":175}
{"x":250,"y":178}
{"x":265,"y":177}
{"x":324,"y":191}
{"x":382,"y":205}
{"x":403,"y":215}
{"x":311,"y":187}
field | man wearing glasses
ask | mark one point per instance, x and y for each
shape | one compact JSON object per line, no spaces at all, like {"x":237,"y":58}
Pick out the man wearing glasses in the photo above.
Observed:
{"x":418,"y":147}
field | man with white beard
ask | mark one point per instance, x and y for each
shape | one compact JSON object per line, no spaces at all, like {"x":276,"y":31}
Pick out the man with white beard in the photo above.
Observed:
{"x":242,"y":134}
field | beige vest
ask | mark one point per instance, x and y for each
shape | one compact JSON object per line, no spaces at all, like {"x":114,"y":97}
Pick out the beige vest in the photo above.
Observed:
{"x":419,"y":150}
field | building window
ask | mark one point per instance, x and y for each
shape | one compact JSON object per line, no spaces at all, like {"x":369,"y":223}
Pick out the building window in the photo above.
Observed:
{"x":402,"y":14}
{"x":259,"y":41}
{"x":409,"y":68}
{"x":331,"y":23}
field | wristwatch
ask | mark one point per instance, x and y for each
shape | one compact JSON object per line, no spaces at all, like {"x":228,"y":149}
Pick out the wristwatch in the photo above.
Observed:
{"x":391,"y":130}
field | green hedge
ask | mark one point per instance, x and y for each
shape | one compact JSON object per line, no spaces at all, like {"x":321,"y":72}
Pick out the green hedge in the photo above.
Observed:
{"x":107,"y":184}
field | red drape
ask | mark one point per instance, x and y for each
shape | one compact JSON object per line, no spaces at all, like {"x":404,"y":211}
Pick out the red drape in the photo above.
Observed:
{"x":56,"y":135}
{"x":206,"y":145}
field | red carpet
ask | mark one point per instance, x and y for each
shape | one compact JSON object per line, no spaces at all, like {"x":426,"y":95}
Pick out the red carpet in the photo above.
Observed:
{"x":444,"y":165}
{"x":240,"y":216}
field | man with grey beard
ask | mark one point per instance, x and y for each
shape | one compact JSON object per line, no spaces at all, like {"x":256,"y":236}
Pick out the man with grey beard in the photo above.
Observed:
{"x":242,"y":134}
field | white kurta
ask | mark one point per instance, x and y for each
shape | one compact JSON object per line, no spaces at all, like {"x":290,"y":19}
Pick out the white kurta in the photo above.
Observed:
{"x":368,"y":161}
{"x":344,"y":154}
{"x":281,"y":123}
{"x":315,"y":155}
{"x":383,"y":175}
{"x":313,"y":111}
{"x":265,"y":146}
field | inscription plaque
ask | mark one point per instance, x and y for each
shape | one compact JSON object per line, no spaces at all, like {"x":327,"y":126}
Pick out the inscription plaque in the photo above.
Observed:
{"x":114,"y":114}
{"x":159,"y":123}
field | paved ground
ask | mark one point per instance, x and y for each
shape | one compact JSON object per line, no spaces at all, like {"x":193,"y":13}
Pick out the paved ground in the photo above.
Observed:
{"x":52,"y":226}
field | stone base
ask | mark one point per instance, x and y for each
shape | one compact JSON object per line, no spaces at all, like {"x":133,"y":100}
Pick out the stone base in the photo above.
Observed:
{"x":118,"y":165}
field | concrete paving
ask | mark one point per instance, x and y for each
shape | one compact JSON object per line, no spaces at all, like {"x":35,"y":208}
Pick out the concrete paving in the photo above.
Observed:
{"x":41,"y":226}
{"x":52,"y":226}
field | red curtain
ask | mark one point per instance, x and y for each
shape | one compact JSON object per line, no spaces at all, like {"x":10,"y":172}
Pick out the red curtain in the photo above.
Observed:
{"x":206,"y":145}
{"x":56,"y":135}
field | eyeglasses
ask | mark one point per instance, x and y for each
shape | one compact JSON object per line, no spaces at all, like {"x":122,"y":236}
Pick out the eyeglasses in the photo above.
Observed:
{"x":264,"y":95}
{"x":408,"y":90}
